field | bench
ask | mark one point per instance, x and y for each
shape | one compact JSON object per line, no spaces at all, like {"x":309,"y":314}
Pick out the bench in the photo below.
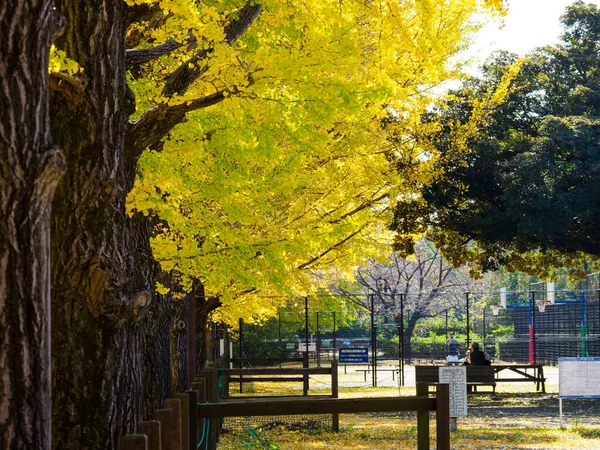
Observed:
{"x":476,"y":376}
{"x":505,"y":373}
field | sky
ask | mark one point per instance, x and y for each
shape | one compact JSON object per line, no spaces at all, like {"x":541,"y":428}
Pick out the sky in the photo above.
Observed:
{"x":528,"y":24}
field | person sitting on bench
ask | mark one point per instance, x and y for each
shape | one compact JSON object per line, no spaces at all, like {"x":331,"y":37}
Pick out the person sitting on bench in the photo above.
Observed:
{"x":476,"y":357}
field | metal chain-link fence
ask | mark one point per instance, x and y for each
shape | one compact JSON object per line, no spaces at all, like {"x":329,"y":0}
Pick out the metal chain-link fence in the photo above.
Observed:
{"x":519,"y":333}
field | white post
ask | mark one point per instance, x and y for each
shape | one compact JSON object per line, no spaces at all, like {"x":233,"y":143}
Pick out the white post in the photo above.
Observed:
{"x":503,"y":297}
{"x":551,"y":292}
{"x":560,"y":409}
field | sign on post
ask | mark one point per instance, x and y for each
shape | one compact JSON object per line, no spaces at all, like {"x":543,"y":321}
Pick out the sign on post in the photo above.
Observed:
{"x":354,"y":355}
{"x":578,"y":378}
{"x":456,"y":377}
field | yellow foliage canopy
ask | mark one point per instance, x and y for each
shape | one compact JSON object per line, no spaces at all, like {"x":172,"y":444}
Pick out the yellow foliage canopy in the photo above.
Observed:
{"x":282,"y":167}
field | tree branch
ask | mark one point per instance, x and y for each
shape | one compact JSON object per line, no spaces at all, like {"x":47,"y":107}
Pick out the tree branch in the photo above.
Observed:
{"x":154,"y":124}
{"x":359,"y":208}
{"x":330,"y":249}
{"x":158,"y":121}
{"x":143,"y":13}
{"x":70,"y":87}
{"x":193,"y":68}
{"x":136,"y":57}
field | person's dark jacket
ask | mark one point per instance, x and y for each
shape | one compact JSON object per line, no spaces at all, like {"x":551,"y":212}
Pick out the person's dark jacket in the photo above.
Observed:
{"x":477,"y":358}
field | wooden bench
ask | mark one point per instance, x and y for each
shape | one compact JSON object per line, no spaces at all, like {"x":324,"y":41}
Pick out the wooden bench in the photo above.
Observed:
{"x":505,"y":373}
{"x":476,"y":376}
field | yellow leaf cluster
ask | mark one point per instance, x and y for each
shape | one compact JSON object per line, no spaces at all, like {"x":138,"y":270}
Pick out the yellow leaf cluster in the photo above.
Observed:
{"x":291,"y":173}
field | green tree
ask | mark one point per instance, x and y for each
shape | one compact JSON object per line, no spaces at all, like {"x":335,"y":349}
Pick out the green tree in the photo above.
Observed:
{"x":524,"y":189}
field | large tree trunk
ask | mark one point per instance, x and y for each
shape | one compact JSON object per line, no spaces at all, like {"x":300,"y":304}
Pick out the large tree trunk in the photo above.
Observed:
{"x":30,"y":168}
{"x":100,"y":279}
{"x":157,"y":354}
{"x":179,"y":341}
{"x":204,"y":306}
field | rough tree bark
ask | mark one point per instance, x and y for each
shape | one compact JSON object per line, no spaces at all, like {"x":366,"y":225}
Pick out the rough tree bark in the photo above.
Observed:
{"x":102,"y":273}
{"x":30,"y":167}
{"x":100,"y":277}
{"x":204,"y":306}
{"x":156,"y":360}
{"x":179,"y":367}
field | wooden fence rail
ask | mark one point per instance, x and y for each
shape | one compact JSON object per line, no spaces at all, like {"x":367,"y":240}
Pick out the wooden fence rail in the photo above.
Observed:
{"x":188,"y":422}
{"x":421,"y":403}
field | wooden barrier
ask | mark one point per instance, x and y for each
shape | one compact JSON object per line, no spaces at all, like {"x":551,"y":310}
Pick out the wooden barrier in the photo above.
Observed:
{"x":298,"y":375}
{"x":189,"y":421}
{"x":152,"y":430}
{"x":421,"y":403}
{"x":135,"y":442}
{"x":276,"y":375}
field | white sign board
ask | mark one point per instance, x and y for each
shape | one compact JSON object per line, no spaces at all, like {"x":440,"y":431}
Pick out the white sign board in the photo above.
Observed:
{"x":312,"y":347}
{"x":579,"y":377}
{"x":456,"y":377}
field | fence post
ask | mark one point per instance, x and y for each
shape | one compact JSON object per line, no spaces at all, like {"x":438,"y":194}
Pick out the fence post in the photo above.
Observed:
{"x":151,"y":429}
{"x":164,"y":416}
{"x":175,"y":406}
{"x":422,"y":420}
{"x":135,"y":442}
{"x":193,"y":419}
{"x":335,"y":418}
{"x":442,"y":416}
{"x":212,"y":390}
{"x":200,"y":387}
{"x":184,"y":401}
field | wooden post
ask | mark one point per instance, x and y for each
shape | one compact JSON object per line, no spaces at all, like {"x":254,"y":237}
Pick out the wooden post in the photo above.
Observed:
{"x":213,"y":392}
{"x":442,"y":416}
{"x":193,"y":419}
{"x":135,"y":442}
{"x":200,"y":387}
{"x":184,"y":401}
{"x":175,"y":406}
{"x":335,"y":418}
{"x":152,"y":430}
{"x":164,"y":416}
{"x":422,"y":420}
